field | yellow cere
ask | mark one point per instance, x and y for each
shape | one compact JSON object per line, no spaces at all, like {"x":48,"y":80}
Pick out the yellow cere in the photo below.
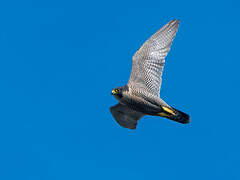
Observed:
{"x":168,"y":110}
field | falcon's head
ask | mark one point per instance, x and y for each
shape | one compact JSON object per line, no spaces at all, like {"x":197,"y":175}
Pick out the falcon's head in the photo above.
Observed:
{"x":118,"y":92}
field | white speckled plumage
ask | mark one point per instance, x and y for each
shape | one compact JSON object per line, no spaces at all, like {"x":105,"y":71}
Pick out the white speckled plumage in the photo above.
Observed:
{"x":148,"y":61}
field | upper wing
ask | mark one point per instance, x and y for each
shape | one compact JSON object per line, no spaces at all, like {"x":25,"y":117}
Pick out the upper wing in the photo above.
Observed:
{"x":125,"y":117}
{"x":148,"y":61}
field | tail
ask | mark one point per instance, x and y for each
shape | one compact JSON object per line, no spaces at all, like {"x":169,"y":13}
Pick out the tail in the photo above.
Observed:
{"x":180,"y":117}
{"x":175,"y":115}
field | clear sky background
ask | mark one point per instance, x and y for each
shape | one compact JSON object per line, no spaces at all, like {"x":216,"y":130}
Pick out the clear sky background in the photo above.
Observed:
{"x":59,"y":61}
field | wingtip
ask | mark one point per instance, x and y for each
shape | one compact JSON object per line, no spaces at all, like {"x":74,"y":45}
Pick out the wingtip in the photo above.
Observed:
{"x":175,"y":21}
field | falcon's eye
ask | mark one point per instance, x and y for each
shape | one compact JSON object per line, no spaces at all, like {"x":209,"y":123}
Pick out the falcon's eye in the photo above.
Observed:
{"x":115,"y":91}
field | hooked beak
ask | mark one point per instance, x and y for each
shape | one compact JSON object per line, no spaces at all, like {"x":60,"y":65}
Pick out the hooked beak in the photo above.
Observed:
{"x":113,"y":92}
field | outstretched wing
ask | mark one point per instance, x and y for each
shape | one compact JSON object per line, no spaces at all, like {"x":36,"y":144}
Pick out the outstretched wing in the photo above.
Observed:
{"x":148,"y":61}
{"x":125,"y":116}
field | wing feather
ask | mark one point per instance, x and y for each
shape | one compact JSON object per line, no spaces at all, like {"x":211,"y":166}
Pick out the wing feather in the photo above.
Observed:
{"x":148,"y":61}
{"x":125,"y":116}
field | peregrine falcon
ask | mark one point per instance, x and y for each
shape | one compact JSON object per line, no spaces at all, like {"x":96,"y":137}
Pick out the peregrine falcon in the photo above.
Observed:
{"x":141,"y":95}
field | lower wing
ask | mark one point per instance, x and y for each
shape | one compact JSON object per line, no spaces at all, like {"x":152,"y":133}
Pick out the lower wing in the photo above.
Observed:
{"x":125,"y":116}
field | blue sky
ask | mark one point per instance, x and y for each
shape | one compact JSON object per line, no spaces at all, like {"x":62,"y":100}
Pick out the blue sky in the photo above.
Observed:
{"x":59,"y":61}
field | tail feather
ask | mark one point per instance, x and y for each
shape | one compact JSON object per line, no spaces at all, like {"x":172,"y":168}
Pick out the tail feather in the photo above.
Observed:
{"x":175,"y":115}
{"x":180,"y":117}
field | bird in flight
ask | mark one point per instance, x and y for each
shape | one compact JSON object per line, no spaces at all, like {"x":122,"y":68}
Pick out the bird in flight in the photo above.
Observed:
{"x":141,"y":95}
